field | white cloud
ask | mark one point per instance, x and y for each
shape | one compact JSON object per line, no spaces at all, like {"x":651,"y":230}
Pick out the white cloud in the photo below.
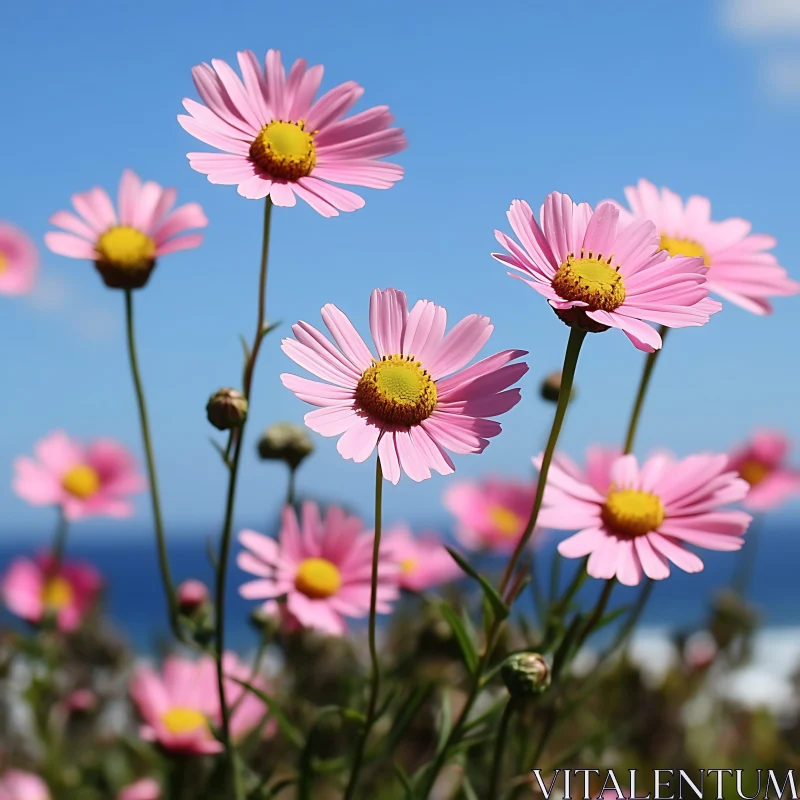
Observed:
{"x":748,"y":19}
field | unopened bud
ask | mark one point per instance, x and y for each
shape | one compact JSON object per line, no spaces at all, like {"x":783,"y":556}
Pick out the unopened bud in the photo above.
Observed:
{"x":525,"y":674}
{"x":265,"y":623}
{"x":191,"y":595}
{"x":285,"y":442}
{"x":226,"y":409}
{"x":551,"y":386}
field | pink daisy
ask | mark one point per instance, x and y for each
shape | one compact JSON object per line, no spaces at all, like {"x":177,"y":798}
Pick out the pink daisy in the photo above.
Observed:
{"x":740,"y":268}
{"x":125,"y":243}
{"x":491,"y":514}
{"x":401,"y":401}
{"x":322,"y":567}
{"x":645,"y":516}
{"x":762,"y":463}
{"x":83,"y":480}
{"x":423,"y":561}
{"x":35,"y":588}
{"x":597,"y":274}
{"x":144,"y":789}
{"x":18,"y":785}
{"x":18,"y":260}
{"x":278,"y":142}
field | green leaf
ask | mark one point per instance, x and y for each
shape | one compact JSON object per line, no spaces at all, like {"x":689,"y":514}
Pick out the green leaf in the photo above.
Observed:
{"x":405,"y":715}
{"x":407,"y":787}
{"x":565,"y":647}
{"x":465,"y":643}
{"x":467,"y":789}
{"x":500,"y":609}
{"x":245,"y":348}
{"x":285,"y":727}
{"x":268,"y":328}
{"x":447,"y":720}
{"x":607,"y":619}
{"x":221,"y":450}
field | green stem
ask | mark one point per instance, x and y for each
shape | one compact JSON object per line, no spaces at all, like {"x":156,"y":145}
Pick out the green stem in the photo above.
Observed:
{"x":235,"y":446}
{"x":597,"y":614}
{"x":59,"y":542}
{"x":373,"y":648}
{"x":576,"y":337}
{"x":499,"y":748}
{"x":747,"y":558}
{"x":161,"y":542}
{"x":644,"y":383}
{"x":290,"y":488}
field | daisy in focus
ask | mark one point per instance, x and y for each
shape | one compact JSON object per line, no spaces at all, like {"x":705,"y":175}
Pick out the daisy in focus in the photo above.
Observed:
{"x":321,"y":566}
{"x":598,"y":274}
{"x":740,"y":267}
{"x":125,"y":243}
{"x":34,"y":589}
{"x":277,"y":141}
{"x":491,"y":514}
{"x":762,"y":463}
{"x":402,"y":400}
{"x":423,"y":560}
{"x":82,"y":480}
{"x":18,"y":785}
{"x":646,"y":515}
{"x":19,"y":260}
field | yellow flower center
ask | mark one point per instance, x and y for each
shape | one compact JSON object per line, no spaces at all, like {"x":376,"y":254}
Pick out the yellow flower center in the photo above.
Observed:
{"x":505,"y":520}
{"x":180,"y":720}
{"x":590,"y":280}
{"x":408,"y":565}
{"x":126,"y":247}
{"x":630,"y":512}
{"x":284,"y":150}
{"x":685,"y":247}
{"x":57,"y":593}
{"x":397,"y":390}
{"x":3,"y":263}
{"x":82,"y":481}
{"x":317,"y":578}
{"x":754,"y":471}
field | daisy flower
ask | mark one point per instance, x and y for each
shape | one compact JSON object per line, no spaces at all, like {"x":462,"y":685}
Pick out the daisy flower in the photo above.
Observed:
{"x":646,"y":515}
{"x":18,"y":260}
{"x":35,"y":588}
{"x":762,"y":463}
{"x":278,"y":142}
{"x":491,"y":514}
{"x":740,"y":267}
{"x":423,"y":561}
{"x":402,"y":400}
{"x":322,"y":567}
{"x":18,"y":785}
{"x":83,"y":480}
{"x":125,"y":243}
{"x":597,"y":274}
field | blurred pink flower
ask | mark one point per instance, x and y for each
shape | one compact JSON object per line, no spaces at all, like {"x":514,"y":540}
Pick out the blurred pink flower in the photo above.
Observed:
{"x":191,"y":595}
{"x":598,"y":275}
{"x":762,"y":463}
{"x":647,"y":515}
{"x":129,"y":239}
{"x":178,"y":706}
{"x":84,"y":480}
{"x":422,"y":559}
{"x":401,"y":401}
{"x":277,"y":141}
{"x":18,"y":785}
{"x":700,"y":650}
{"x":491,"y":514}
{"x":81,"y":700}
{"x":323,"y":568}
{"x":144,"y":789}
{"x":19,"y":260}
{"x":32,"y":589}
{"x":740,"y":268}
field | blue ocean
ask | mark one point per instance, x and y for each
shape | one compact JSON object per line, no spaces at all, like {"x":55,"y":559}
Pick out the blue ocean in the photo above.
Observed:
{"x":134,"y":598}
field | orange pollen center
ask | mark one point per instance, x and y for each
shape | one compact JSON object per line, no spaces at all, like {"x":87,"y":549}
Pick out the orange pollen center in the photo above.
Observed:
{"x":179,"y":720}
{"x":3,"y":263}
{"x":505,"y":520}
{"x":408,"y":565}
{"x":284,"y":150}
{"x":317,"y":578}
{"x":57,"y":593}
{"x":126,"y":247}
{"x":81,"y":481}
{"x":754,"y":471}
{"x":685,"y":247}
{"x":590,"y":280}
{"x":397,"y":390}
{"x":631,"y":512}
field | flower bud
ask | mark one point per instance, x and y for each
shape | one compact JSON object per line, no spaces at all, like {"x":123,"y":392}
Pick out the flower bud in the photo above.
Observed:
{"x":525,"y":674}
{"x":551,"y":386}
{"x":226,"y":409}
{"x":285,"y":442}
{"x":191,"y":595}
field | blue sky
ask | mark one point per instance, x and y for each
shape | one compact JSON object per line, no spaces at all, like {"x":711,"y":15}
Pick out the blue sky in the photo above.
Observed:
{"x":500,"y":102}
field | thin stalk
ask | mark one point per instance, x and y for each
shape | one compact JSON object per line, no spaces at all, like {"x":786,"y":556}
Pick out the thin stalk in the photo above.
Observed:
{"x":59,"y":541}
{"x":161,"y":542}
{"x":291,"y":486}
{"x":235,"y":448}
{"x":373,"y":648}
{"x":499,"y":748}
{"x":644,"y":384}
{"x":747,"y":557}
{"x":597,"y":614}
